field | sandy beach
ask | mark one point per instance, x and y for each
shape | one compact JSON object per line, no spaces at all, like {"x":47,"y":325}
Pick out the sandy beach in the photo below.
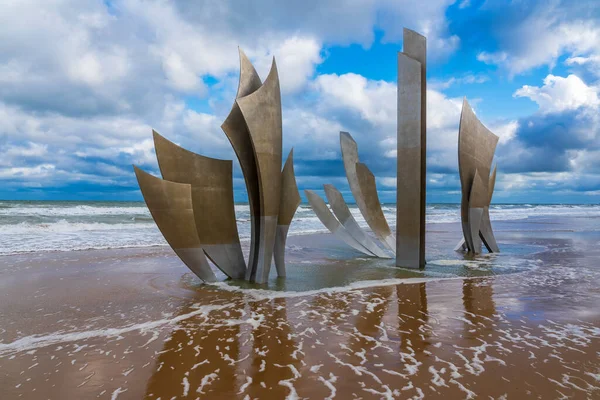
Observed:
{"x":135,"y":323}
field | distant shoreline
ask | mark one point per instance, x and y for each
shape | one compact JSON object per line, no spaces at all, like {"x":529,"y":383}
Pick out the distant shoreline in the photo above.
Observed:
{"x":303,"y":203}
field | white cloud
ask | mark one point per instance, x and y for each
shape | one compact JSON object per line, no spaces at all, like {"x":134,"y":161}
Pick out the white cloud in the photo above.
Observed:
{"x":296,"y":59}
{"x":590,"y":62}
{"x":464,"y":4}
{"x":557,"y":183}
{"x":123,"y":57}
{"x":428,"y":18}
{"x":594,"y":59}
{"x":463,"y":80}
{"x":183,"y":48}
{"x":28,"y":149}
{"x":64,"y":37}
{"x":83,"y":83}
{"x":141,"y":153}
{"x":506,"y":131}
{"x":331,"y":21}
{"x":179,"y":74}
{"x":561,"y":94}
{"x":585,"y":160}
{"x":98,"y":149}
{"x":375,"y":103}
{"x":492,"y":58}
{"x":542,"y":37}
{"x":373,"y":100}
{"x":313,"y":136}
{"x":38,"y":172}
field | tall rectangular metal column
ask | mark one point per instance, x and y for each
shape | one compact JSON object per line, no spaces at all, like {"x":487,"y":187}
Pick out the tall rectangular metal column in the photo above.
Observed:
{"x":411,"y":152}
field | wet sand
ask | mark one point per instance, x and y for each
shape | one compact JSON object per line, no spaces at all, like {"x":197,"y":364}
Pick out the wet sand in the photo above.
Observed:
{"x":134,"y":323}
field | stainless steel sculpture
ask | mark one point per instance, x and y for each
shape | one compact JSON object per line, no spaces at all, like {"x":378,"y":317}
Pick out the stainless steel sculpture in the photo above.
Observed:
{"x":342,"y":212}
{"x":487,"y":234}
{"x":411,"y":151}
{"x":331,"y":223}
{"x":363,"y":187}
{"x":254,"y":129}
{"x":170,"y":205}
{"x":372,"y":211}
{"x":262,"y":112}
{"x":368,"y":188}
{"x":197,"y":191}
{"x":212,"y":199}
{"x":289,"y":202}
{"x":236,"y":130}
{"x":476,"y":147}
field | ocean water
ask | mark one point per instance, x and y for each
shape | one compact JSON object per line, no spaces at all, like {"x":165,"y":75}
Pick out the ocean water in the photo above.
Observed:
{"x":28,"y":226}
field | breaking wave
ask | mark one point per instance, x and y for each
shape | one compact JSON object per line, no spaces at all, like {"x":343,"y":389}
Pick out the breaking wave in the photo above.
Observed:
{"x":28,"y":226}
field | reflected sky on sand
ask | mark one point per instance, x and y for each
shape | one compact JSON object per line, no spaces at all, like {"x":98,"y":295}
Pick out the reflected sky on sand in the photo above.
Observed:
{"x":333,"y":264}
{"x":386,"y":342}
{"x":135,"y":324}
{"x":441,"y":337}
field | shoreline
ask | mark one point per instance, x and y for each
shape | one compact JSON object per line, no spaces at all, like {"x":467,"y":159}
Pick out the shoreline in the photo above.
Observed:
{"x":135,"y":323}
{"x":451,"y":226}
{"x":74,"y":227}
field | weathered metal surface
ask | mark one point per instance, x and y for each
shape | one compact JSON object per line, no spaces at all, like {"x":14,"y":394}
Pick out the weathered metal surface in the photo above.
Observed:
{"x":211,"y":181}
{"x":170,"y":205}
{"x":368,"y":187}
{"x":487,"y":234}
{"x":410,"y":181}
{"x":236,"y":131}
{"x":342,"y":212}
{"x":461,"y":245}
{"x":262,"y":112}
{"x":373,"y":213}
{"x":328,"y":219}
{"x":476,"y":147}
{"x":477,"y":201}
{"x":288,"y":204}
{"x":290,"y":197}
{"x":279,"y":251}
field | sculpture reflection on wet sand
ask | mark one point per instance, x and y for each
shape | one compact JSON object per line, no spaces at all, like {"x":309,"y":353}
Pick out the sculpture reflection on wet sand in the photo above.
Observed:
{"x":197,"y":191}
{"x":476,"y":147}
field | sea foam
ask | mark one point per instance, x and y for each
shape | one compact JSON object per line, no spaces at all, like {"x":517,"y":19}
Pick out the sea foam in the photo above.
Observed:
{"x":62,"y":226}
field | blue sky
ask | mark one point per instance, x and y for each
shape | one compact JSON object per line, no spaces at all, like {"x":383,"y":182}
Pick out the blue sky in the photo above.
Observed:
{"x":83,"y":82}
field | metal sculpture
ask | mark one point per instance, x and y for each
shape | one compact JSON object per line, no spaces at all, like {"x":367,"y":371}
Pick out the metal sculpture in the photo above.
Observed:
{"x":476,"y":147}
{"x":368,"y":188}
{"x":289,"y":202}
{"x":371,"y":212}
{"x":363,"y":187}
{"x":170,"y":205}
{"x":236,"y":130}
{"x":254,"y":129}
{"x":411,"y":151}
{"x":331,"y":223}
{"x":212,"y":199}
{"x":197,"y":191}
{"x":342,"y":212}
{"x":262,"y":112}
{"x":487,"y":234}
